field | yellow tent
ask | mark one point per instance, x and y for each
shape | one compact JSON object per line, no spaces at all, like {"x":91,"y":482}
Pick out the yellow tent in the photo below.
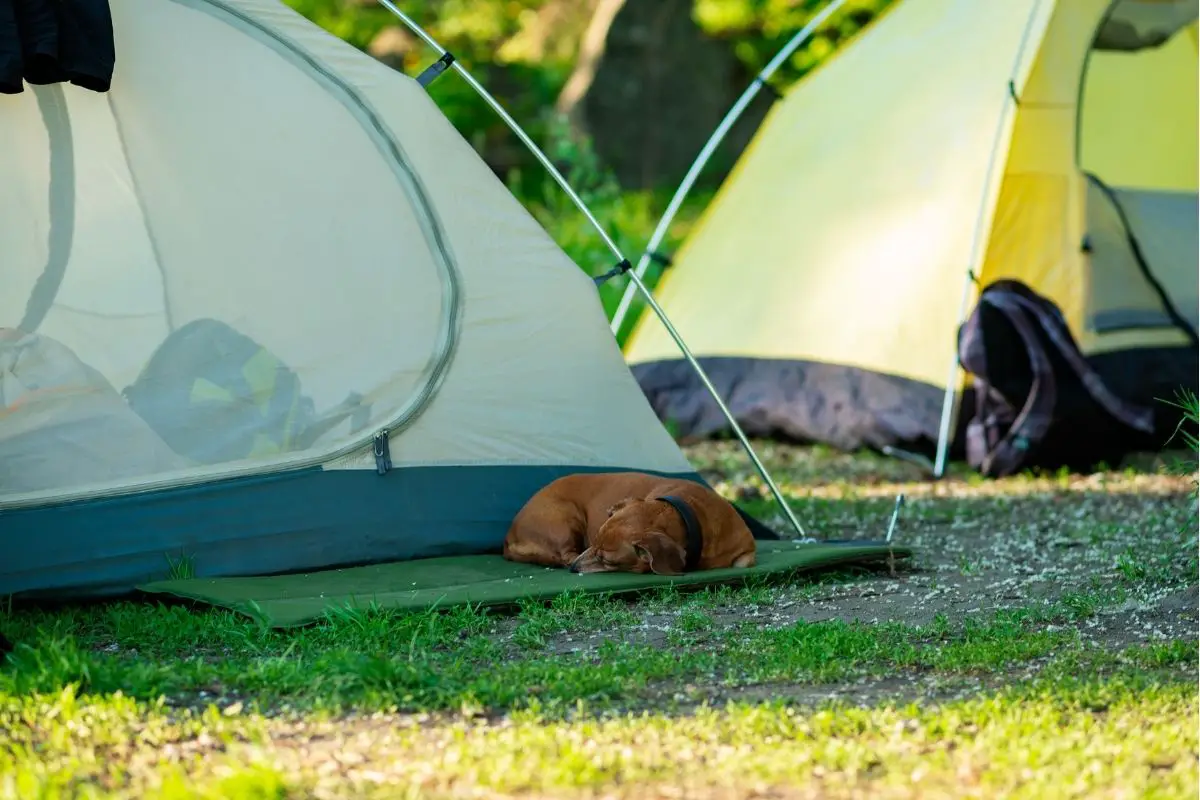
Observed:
{"x":951,"y":144}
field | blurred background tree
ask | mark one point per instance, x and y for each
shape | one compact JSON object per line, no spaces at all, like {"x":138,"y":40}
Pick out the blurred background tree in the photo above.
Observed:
{"x":525,"y":51}
{"x":621,"y":94}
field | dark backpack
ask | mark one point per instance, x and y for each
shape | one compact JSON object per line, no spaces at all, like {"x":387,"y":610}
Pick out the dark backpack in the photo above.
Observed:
{"x":216,"y":395}
{"x":1037,"y":400}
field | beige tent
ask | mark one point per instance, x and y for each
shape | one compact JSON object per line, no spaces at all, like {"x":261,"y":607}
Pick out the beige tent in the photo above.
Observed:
{"x":263,"y":307}
{"x":1024,"y":139}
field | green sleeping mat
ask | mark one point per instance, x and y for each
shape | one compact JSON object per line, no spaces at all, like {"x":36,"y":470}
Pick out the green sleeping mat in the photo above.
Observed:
{"x":283,"y":601}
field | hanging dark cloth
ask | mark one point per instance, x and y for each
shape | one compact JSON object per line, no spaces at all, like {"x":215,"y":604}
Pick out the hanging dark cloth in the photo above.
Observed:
{"x":56,"y":41}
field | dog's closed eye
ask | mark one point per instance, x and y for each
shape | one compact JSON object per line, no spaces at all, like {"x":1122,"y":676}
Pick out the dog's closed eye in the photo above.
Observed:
{"x":617,"y":506}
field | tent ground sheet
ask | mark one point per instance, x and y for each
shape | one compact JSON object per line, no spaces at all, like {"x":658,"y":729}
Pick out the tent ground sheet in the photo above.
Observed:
{"x":288,"y":600}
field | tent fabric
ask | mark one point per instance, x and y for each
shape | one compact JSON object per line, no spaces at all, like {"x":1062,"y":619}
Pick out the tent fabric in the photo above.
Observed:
{"x":262,"y":525}
{"x":845,"y":233}
{"x":249,"y":168}
{"x":328,"y":189}
{"x":53,"y":403}
{"x":284,"y":601}
{"x":1139,"y":24}
{"x":1139,"y":110}
{"x":1121,"y":298}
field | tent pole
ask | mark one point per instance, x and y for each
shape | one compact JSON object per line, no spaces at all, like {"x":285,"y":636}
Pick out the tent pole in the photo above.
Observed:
{"x":978,"y":236}
{"x":710,"y":147}
{"x":737,"y":429}
{"x":950,"y":398}
{"x":612,"y":246}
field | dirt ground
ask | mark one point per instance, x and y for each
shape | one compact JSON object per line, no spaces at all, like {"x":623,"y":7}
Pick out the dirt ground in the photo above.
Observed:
{"x":1116,"y":549}
{"x":1107,"y":561}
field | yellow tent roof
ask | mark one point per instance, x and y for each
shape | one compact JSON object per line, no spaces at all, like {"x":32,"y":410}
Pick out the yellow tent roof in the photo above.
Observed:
{"x":950,"y":137}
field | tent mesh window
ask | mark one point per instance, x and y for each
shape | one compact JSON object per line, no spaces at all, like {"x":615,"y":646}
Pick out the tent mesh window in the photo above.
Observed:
{"x":186,"y":287}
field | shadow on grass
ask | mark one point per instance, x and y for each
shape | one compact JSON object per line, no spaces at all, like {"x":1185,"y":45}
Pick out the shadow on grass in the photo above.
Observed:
{"x":454,"y":660}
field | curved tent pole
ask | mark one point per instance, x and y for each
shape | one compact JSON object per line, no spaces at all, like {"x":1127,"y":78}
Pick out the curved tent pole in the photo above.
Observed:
{"x":710,"y":147}
{"x":447,"y":60}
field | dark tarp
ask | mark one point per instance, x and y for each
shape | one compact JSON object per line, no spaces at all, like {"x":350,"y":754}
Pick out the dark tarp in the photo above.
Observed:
{"x":56,"y":41}
{"x":849,"y":409}
{"x":795,"y":401}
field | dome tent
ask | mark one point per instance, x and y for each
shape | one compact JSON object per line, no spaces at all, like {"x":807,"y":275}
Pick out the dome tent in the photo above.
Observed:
{"x":304,"y":223}
{"x":1054,"y":143}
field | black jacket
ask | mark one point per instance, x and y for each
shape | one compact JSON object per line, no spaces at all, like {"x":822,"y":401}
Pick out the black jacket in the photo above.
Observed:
{"x":52,"y":41}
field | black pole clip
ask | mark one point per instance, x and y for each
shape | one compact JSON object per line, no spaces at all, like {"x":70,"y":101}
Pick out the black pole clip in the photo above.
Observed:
{"x":619,"y":269}
{"x":436,"y":68}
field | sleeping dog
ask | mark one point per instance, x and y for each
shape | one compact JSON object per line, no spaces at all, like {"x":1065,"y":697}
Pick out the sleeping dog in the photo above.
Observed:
{"x":629,"y":522}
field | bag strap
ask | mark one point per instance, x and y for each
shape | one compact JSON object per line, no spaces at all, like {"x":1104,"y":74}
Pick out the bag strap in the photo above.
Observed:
{"x":1037,"y":413}
{"x":1135,"y":416}
{"x":993,"y":413}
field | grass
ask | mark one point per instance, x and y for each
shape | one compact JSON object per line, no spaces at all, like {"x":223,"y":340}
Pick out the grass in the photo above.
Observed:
{"x":1055,"y":737}
{"x":447,"y":662}
{"x":424,"y":693}
{"x":1043,"y":644}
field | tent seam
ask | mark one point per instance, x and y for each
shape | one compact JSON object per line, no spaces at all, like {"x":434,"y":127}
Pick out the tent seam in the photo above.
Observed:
{"x":418,"y":196}
{"x":153,"y":241}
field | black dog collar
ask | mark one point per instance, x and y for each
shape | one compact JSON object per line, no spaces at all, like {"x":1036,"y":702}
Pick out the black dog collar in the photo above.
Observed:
{"x":695,"y":538}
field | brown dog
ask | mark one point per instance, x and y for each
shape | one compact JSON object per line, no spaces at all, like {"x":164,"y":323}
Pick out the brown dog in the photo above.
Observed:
{"x":619,"y":522}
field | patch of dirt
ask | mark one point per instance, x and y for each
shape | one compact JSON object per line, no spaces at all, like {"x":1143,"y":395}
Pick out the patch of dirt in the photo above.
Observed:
{"x":1112,"y":555}
{"x":921,"y":687}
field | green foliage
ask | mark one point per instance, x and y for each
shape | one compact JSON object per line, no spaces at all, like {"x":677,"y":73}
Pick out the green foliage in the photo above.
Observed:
{"x":525,"y":60}
{"x":759,"y":28}
{"x":352,"y":23}
{"x":1190,"y":406}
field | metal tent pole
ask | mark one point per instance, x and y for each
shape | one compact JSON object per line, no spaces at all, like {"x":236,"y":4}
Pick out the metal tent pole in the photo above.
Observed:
{"x":446,"y":59}
{"x":710,"y":147}
{"x":950,"y":397}
{"x":978,"y":235}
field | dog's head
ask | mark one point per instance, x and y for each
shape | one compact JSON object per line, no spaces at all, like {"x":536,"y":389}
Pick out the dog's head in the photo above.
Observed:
{"x":634,"y":539}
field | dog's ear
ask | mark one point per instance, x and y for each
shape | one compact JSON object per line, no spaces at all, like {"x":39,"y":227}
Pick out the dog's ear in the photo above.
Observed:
{"x":664,"y":556}
{"x":617,"y":506}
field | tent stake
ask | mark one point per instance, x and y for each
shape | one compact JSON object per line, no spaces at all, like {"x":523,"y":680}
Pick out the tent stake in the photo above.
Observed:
{"x":616,"y":251}
{"x":891,"y":529}
{"x":710,"y":147}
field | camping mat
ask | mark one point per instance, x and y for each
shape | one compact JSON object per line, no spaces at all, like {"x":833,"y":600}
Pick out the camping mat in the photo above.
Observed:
{"x":286,"y":600}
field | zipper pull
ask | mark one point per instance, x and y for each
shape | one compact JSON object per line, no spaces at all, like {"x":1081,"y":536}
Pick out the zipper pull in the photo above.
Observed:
{"x":383,"y":454}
